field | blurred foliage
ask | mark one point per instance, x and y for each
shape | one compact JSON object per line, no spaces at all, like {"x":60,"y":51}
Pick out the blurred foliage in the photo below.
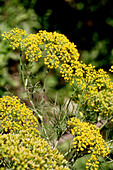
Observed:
{"x":13,"y":14}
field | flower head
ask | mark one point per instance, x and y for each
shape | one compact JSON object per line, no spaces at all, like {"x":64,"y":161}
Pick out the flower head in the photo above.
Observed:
{"x":15,"y":116}
{"x":88,"y":138}
{"x":26,"y":151}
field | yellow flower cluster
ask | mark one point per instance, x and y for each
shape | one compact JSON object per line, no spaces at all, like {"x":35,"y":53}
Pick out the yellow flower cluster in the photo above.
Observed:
{"x":59,"y":53}
{"x":15,"y":116}
{"x":97,"y":99}
{"x":87,"y":137}
{"x":27,"y":152}
{"x":96,"y":79}
{"x":56,"y":50}
{"x":16,"y":37}
{"x":101,"y":103}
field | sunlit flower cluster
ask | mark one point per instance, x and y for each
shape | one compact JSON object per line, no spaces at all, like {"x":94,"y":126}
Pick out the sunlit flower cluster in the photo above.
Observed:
{"x":87,"y":137}
{"x":101,"y":103}
{"x":25,"y":151}
{"x":15,"y":116}
{"x":97,"y":98}
{"x":59,"y":53}
{"x":16,"y":37}
{"x":94,"y":80}
{"x":56,"y":50}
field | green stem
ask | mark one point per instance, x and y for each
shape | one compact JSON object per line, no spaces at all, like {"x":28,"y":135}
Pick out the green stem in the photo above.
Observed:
{"x":42,"y":102}
{"x":22,"y":69}
{"x":78,"y":108}
{"x":70,"y":100}
{"x":44,"y":88}
{"x":25,"y":86}
{"x":105,"y":123}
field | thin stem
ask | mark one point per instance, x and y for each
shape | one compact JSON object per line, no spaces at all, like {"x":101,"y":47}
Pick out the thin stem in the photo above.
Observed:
{"x":105,"y":123}
{"x":25,"y":86}
{"x":42,"y":102}
{"x":73,"y":157}
{"x":44,"y":86}
{"x":78,"y":108}
{"x":56,"y":144}
{"x":21,"y":68}
{"x":70,"y":100}
{"x":110,"y":141}
{"x":109,"y":159}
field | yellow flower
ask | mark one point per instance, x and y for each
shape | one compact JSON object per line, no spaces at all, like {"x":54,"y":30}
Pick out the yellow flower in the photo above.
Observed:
{"x":27,"y":151}
{"x":88,"y":137}
{"x":15,"y":116}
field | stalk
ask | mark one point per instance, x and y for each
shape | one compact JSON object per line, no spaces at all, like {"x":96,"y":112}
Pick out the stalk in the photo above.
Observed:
{"x":25,"y":86}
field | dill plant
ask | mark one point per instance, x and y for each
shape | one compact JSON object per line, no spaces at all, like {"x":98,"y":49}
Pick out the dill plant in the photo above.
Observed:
{"x":26,"y":151}
{"x":92,"y":92}
{"x":15,"y":116}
